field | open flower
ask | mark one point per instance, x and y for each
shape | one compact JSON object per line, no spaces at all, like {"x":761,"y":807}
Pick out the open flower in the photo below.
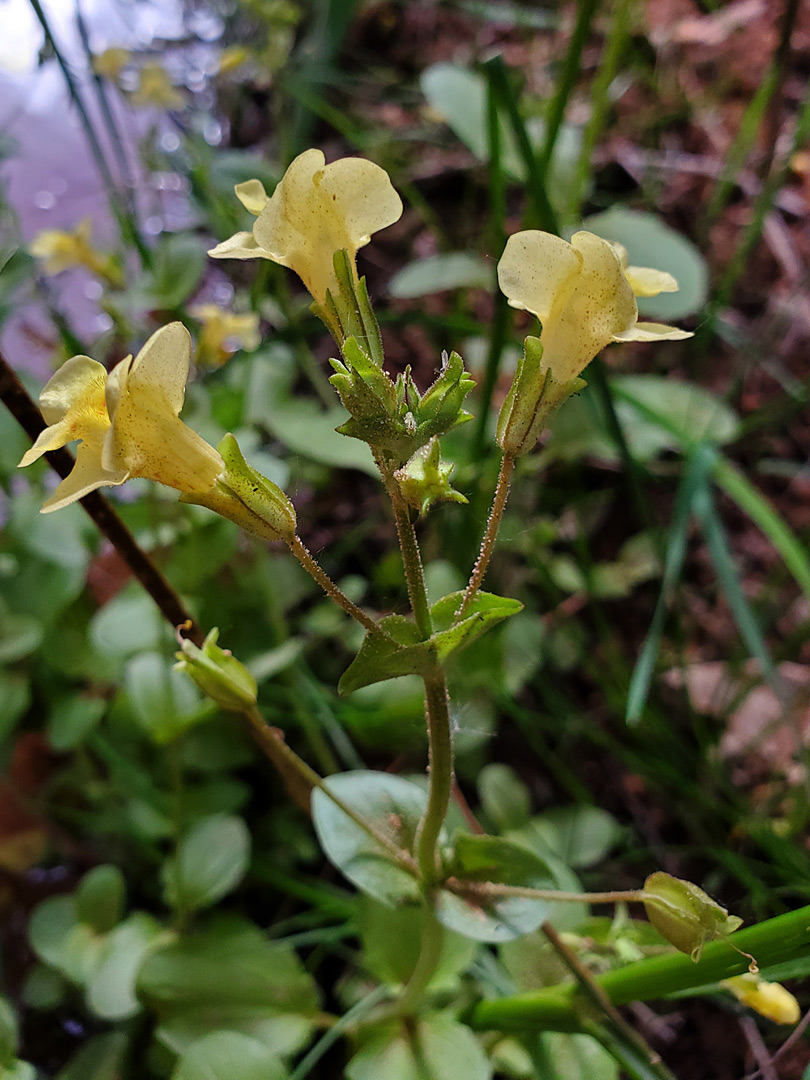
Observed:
{"x":315,"y":211}
{"x":223,"y":332}
{"x":583,"y":293}
{"x":155,"y":88}
{"x":127,"y":421}
{"x":61,"y":249}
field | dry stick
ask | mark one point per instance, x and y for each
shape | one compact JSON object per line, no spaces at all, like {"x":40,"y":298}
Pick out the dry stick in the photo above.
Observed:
{"x":490,"y":536}
{"x":597,"y":996}
{"x":22,"y":407}
{"x":315,"y":570}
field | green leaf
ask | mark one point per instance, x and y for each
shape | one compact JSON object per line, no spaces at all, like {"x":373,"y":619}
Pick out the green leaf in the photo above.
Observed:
{"x":72,"y":720}
{"x":491,"y":858}
{"x":394,"y":806}
{"x":111,"y":984}
{"x":227,"y":1055}
{"x":391,"y":945}
{"x":380,"y":658}
{"x":436,"y":1047}
{"x":455,"y":270}
{"x":505,"y":799}
{"x":20,"y":635}
{"x":163,"y":701}
{"x":210,"y":863}
{"x":682,"y":413}
{"x":100,"y":898}
{"x":579,"y":835}
{"x":61,"y":940}
{"x":130,"y":623}
{"x":309,"y":431}
{"x":229,"y":976}
{"x":580,"y":1057}
{"x":650,"y":242}
{"x":15,"y":693}
{"x":102,"y":1058}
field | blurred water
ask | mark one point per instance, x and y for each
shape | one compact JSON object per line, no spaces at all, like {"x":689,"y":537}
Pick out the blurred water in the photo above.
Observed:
{"x":51,"y":179}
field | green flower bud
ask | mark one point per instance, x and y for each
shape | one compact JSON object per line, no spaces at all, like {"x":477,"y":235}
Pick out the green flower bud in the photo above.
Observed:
{"x":217,"y":673}
{"x":684,"y":914}
{"x":533,"y":397}
{"x":244,"y":496}
{"x":425,"y":479}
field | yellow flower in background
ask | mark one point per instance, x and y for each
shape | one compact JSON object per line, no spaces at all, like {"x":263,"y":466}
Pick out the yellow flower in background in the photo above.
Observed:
{"x":61,"y":249}
{"x":127,"y":421}
{"x":584,"y":295}
{"x":110,"y":63}
{"x":223,"y":332}
{"x":769,"y":999}
{"x":315,"y":211}
{"x":232,"y":58}
{"x":155,"y":89}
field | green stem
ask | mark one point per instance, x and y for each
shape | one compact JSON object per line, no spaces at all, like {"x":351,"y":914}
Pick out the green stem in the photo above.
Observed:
{"x":490,"y":535}
{"x":411,"y":560}
{"x":316,"y":571}
{"x":429,"y":953}
{"x":440,"y":770}
{"x":787,"y":937}
{"x":485,"y":889}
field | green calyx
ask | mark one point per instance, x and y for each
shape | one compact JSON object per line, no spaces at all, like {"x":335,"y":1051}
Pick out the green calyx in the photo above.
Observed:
{"x":244,"y":496}
{"x":217,"y":673}
{"x":394,"y":418}
{"x":425,"y":479}
{"x":533,"y":396}
{"x":684,"y":914}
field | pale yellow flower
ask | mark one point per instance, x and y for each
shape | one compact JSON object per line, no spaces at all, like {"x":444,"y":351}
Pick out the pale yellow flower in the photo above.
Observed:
{"x":110,"y":63}
{"x":232,"y":58}
{"x":155,"y":89}
{"x":769,"y":999}
{"x":223,"y":332}
{"x":315,"y":211}
{"x":127,"y":421}
{"x":60,"y":249}
{"x":583,"y":294}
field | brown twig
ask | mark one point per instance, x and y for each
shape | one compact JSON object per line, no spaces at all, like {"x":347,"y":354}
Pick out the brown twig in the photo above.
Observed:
{"x":24,"y":410}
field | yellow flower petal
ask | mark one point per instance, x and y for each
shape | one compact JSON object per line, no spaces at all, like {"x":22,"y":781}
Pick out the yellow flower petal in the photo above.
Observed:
{"x":644,"y":281}
{"x":86,"y":475}
{"x":73,"y":405}
{"x":241,"y":245}
{"x":650,"y":331}
{"x":317,"y":210}
{"x":537,"y":272}
{"x":161,"y":367}
{"x":769,"y":999}
{"x":252,"y":196}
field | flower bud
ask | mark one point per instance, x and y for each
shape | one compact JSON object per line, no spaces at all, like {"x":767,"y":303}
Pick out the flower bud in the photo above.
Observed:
{"x":684,"y":914}
{"x":425,"y":479}
{"x":769,"y":999}
{"x":218,"y":674}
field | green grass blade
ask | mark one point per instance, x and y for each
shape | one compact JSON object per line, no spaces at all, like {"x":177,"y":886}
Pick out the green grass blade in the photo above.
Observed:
{"x":693,"y":481}
{"x":714,"y":533}
{"x":740,"y":489}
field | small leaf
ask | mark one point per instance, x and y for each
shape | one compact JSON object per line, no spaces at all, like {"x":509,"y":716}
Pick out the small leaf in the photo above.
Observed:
{"x":437,"y":1047}
{"x":493,"y":859}
{"x":227,"y":1055}
{"x":394,"y":806}
{"x":111,"y":984}
{"x":391,"y":945}
{"x":163,"y":701}
{"x":9,"y":1036}
{"x":505,"y":799}
{"x":102,"y":1058}
{"x":381,"y":658}
{"x":455,"y":270}
{"x":100,"y":898}
{"x":579,"y":835}
{"x":61,"y":940}
{"x":20,"y":635}
{"x":72,"y":720}
{"x":486,"y":611}
{"x":210,"y":863}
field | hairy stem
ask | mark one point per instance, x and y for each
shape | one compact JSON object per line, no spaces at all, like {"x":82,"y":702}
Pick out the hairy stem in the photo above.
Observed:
{"x":412,"y":561}
{"x":487,"y":889}
{"x":440,"y":772}
{"x":490,"y":536}
{"x":316,"y":571}
{"x":21,"y":406}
